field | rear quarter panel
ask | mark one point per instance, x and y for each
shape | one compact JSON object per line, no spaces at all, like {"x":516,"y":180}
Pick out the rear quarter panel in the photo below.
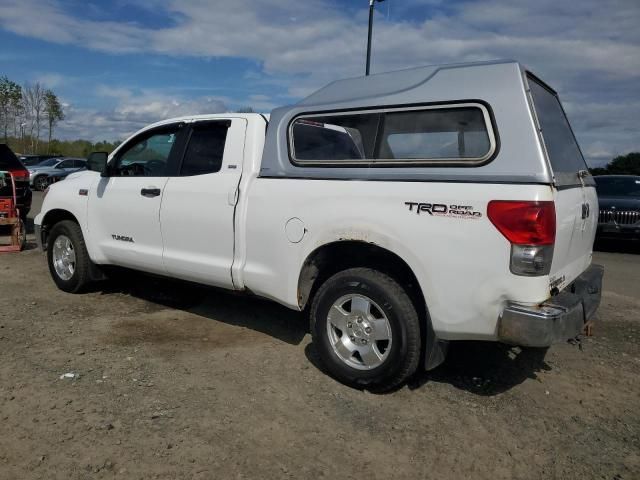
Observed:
{"x":461,"y":262}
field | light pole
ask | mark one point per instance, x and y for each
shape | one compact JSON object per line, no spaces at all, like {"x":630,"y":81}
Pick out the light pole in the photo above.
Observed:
{"x":371,"y":9}
{"x":22,"y":125}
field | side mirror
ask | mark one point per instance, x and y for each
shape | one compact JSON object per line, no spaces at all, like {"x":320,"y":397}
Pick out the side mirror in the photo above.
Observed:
{"x":97,"y":162}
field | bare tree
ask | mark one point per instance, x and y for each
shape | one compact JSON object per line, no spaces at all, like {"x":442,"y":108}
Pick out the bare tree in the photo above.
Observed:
{"x":53,"y":111}
{"x":33,"y":99}
{"x":10,"y":95}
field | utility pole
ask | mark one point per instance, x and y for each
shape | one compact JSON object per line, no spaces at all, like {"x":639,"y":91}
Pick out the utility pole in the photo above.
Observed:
{"x":371,"y":10}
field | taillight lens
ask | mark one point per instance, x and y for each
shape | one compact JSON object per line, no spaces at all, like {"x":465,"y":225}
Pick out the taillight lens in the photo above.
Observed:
{"x":524,"y":223}
{"x":530,"y":227}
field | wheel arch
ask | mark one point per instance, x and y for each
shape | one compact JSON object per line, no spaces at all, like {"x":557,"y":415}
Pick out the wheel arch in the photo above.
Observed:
{"x":338,"y":255}
{"x":52,"y":217}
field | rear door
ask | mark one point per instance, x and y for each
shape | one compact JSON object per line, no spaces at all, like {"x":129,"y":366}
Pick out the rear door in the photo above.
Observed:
{"x":197,"y":215}
{"x":575,"y":195}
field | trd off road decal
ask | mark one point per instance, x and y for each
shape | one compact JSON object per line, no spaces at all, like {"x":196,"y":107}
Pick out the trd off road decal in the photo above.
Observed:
{"x":443,"y":210}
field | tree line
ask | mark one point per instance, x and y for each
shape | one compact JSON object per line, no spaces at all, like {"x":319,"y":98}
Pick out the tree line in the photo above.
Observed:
{"x":628,"y":164}
{"x":27,"y":110}
{"x":29,"y":114}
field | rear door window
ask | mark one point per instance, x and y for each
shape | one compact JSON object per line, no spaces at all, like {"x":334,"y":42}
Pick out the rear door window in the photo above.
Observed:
{"x":205,"y":149}
{"x":562,"y":148}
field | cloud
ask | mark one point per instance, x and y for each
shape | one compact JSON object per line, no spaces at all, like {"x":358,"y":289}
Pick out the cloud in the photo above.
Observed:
{"x":588,"y":50}
{"x":132,"y":111}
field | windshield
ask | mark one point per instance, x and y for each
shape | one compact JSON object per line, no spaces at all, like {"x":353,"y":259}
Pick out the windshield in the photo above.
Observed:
{"x":618,"y":186}
{"x":48,"y":163}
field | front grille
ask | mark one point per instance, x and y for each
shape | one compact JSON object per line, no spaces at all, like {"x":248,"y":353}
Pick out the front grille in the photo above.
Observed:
{"x":621,"y":217}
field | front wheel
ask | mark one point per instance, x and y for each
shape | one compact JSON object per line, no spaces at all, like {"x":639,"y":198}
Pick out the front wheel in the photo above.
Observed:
{"x":366,"y":329}
{"x":67,"y":257}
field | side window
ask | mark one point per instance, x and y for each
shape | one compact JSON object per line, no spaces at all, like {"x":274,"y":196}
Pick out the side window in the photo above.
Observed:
{"x":456,"y":133}
{"x":79,"y":163}
{"x":449,"y":135}
{"x":66,"y":164}
{"x":147,"y":155}
{"x":205,"y":149}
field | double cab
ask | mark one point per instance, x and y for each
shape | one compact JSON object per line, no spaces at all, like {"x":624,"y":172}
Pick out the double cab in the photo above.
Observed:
{"x":402,"y":211}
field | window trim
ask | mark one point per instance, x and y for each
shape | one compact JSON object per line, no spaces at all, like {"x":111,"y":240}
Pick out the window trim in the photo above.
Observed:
{"x":487,"y":113}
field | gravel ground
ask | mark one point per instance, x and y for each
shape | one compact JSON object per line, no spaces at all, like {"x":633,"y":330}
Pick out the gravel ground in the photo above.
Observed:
{"x":172,"y":381}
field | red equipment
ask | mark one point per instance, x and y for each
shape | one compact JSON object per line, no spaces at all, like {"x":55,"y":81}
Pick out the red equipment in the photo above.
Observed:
{"x":10,"y":217}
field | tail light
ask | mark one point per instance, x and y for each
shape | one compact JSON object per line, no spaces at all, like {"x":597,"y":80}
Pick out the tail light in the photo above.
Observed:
{"x":20,"y":175}
{"x":530,"y":227}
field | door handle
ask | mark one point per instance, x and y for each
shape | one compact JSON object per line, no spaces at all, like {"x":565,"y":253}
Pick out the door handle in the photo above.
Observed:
{"x":150,"y":192}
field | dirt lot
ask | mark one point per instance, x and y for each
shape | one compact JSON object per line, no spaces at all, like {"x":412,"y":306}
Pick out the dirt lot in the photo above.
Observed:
{"x":176,"y":382}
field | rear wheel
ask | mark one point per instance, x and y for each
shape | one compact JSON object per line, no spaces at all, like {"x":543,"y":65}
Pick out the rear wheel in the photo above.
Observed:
{"x":67,"y":257}
{"x":366,"y":329}
{"x":41,"y":182}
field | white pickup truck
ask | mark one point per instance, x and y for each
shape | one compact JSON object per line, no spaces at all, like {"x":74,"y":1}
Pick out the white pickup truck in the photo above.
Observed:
{"x":403,"y":211}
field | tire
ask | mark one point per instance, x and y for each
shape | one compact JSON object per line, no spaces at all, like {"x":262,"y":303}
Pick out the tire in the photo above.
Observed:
{"x":76,"y":279}
{"x":338,"y":327}
{"x":41,"y":182}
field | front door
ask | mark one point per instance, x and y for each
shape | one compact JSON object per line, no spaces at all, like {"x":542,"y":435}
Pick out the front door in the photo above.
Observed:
{"x":124,"y":208}
{"x":197,"y":214}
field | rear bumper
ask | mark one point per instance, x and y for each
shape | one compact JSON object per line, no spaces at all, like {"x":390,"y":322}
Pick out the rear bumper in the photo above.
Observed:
{"x":610,"y":230}
{"x":558,"y":319}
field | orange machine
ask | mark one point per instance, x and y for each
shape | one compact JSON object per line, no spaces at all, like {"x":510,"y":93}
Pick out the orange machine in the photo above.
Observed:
{"x":10,"y":217}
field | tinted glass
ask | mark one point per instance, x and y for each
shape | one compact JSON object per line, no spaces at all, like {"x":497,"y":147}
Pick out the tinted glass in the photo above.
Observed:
{"x":147,"y":156}
{"x":618,"y":187}
{"x":79,"y":163}
{"x":205,"y":149}
{"x":66,"y":164}
{"x":431,"y":134}
{"x":339,"y":137}
{"x":562,"y":148}
{"x":455,"y":133}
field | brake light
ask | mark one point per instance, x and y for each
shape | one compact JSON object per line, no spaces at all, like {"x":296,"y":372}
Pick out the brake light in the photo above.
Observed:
{"x":524,"y":223}
{"x":20,"y":175}
{"x":530,"y":227}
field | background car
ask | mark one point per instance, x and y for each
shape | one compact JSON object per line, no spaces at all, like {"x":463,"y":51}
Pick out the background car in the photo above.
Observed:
{"x":619,"y":198}
{"x":62,"y":174}
{"x":10,"y":163}
{"x":39,"y":174}
{"x":33,"y":160}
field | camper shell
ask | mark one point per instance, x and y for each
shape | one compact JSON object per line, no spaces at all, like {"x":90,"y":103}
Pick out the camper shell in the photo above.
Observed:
{"x":499,"y":88}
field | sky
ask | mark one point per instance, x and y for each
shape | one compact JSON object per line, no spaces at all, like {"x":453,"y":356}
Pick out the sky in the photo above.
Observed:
{"x":121,"y":64}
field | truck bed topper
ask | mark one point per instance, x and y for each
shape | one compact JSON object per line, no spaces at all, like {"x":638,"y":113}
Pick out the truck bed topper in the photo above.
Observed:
{"x":498,"y":86}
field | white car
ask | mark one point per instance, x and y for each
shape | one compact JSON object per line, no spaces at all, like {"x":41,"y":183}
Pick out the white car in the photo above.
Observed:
{"x":403,"y":210}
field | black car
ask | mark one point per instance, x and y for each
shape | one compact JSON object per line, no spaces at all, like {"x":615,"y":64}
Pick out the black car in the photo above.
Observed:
{"x":619,"y":198}
{"x":10,"y":163}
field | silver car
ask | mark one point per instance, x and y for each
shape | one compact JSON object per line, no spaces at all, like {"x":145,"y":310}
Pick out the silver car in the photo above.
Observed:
{"x":39,"y":174}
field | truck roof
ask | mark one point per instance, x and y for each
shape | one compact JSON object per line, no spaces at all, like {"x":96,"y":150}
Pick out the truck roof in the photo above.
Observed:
{"x":206,"y":116}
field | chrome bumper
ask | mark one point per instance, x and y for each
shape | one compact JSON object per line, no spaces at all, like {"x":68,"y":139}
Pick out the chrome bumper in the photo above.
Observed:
{"x":560,"y":318}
